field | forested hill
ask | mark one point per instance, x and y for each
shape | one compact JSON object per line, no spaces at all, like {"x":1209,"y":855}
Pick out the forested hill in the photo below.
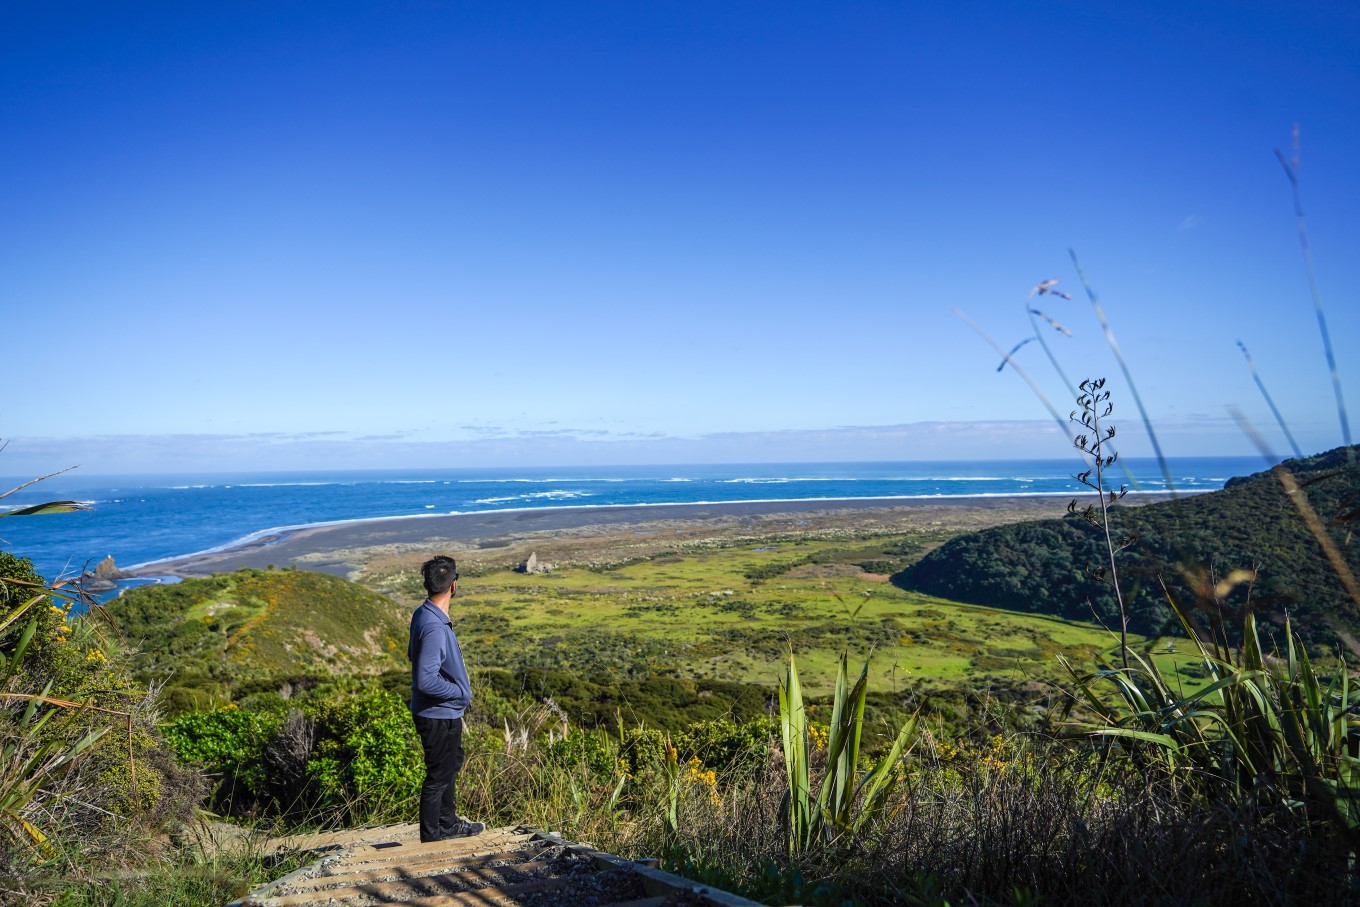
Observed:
{"x":1042,"y":566}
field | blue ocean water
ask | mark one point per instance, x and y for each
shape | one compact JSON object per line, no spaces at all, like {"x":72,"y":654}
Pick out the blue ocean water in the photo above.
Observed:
{"x":145,"y":518}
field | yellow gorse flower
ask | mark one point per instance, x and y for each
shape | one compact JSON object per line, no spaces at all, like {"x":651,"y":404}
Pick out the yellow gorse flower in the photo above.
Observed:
{"x":697,"y":774}
{"x":992,"y":758}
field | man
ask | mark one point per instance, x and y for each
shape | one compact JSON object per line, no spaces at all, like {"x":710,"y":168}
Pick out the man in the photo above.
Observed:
{"x":440,"y":693}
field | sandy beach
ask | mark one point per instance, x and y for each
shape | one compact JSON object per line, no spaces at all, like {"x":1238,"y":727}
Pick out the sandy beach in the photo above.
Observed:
{"x":344,"y":549}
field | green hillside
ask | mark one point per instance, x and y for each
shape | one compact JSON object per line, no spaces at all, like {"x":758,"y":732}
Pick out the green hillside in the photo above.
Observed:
{"x":208,"y":636}
{"x":1042,"y":566}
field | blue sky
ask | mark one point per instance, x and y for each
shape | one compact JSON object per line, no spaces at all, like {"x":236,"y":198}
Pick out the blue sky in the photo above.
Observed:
{"x":299,"y":235}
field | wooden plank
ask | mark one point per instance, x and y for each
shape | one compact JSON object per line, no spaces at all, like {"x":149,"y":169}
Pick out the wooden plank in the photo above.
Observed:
{"x":462,"y":847}
{"x":355,"y":864}
{"x":331,"y":839}
{"x":380,"y":895}
{"x":654,"y":881}
{"x":378,"y":834}
{"x":411,"y":886}
{"x":359,"y":854}
{"x":430,"y":865}
{"x":489,"y":842}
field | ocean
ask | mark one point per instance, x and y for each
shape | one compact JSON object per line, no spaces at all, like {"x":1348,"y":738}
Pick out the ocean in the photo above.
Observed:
{"x":146,"y":518}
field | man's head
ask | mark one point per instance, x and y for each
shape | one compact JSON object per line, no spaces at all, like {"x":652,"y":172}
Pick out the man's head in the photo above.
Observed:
{"x":440,"y":572}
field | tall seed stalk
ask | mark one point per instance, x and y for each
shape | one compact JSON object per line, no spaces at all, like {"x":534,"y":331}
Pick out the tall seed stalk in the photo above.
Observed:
{"x":1094,"y":405}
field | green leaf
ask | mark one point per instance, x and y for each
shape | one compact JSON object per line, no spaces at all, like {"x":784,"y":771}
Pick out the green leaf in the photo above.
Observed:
{"x":1129,"y":734}
{"x":49,"y":507}
{"x":878,"y":784}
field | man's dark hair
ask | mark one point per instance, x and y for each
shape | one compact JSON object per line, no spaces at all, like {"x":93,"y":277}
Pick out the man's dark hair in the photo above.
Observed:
{"x":440,"y":572}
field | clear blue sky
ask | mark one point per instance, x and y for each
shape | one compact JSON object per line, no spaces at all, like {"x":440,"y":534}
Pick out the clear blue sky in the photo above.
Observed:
{"x":292,"y":234}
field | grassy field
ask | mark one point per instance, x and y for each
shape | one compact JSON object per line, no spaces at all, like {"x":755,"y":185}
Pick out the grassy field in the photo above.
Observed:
{"x":733,"y":611}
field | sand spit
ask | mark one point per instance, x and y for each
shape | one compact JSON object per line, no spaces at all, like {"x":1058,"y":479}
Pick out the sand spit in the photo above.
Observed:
{"x":345,"y":549}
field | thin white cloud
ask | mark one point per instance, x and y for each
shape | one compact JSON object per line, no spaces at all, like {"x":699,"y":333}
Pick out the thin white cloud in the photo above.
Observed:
{"x":937,"y":440}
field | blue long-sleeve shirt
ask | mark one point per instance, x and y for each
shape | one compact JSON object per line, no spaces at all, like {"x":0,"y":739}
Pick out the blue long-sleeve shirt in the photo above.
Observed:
{"x":439,"y":679}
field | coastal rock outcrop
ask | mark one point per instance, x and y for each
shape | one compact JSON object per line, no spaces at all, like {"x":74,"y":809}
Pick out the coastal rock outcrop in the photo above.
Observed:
{"x":533,"y":565}
{"x":108,"y":570}
{"x":104,"y":578}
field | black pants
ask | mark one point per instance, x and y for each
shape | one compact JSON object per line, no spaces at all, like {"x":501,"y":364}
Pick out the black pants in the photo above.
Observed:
{"x":442,"y":739}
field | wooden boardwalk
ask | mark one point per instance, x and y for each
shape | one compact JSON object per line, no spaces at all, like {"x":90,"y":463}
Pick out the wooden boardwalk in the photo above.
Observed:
{"x":516,"y":865}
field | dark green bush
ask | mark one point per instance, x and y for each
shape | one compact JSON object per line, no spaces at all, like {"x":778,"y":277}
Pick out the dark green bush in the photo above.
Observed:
{"x":344,"y":751}
{"x":229,"y":743}
{"x":590,"y":750}
{"x":665,"y":702}
{"x":367,"y":754}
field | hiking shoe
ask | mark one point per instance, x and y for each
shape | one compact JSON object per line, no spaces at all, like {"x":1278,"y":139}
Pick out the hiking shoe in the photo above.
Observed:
{"x":465,"y":828}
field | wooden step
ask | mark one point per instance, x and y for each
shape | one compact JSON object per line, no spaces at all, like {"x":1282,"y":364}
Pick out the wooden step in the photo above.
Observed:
{"x":388,"y":864}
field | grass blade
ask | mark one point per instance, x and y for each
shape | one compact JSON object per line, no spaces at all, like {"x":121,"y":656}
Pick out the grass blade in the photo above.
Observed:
{"x":1291,"y":170}
{"x":1128,"y":376}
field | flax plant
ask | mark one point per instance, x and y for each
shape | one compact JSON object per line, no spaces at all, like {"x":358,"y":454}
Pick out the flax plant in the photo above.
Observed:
{"x":1261,"y":733}
{"x":1257,"y":733}
{"x":1045,"y":288}
{"x":30,"y":764}
{"x":845,"y":802}
{"x":45,"y":508}
{"x":33,"y":756}
{"x":1007,"y":358}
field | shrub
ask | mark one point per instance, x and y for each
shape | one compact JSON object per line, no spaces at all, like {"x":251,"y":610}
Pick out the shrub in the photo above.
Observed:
{"x":367,"y":762}
{"x":229,"y":743}
{"x":591,"y":751}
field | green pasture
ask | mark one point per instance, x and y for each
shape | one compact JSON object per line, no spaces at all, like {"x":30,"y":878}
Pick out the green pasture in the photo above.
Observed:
{"x":734,"y":613}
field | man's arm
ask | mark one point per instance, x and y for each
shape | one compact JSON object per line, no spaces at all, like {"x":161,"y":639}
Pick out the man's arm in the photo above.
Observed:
{"x":428,"y":679}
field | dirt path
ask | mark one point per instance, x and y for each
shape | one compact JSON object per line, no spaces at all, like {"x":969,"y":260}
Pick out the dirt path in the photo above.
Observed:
{"x":514,"y":865}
